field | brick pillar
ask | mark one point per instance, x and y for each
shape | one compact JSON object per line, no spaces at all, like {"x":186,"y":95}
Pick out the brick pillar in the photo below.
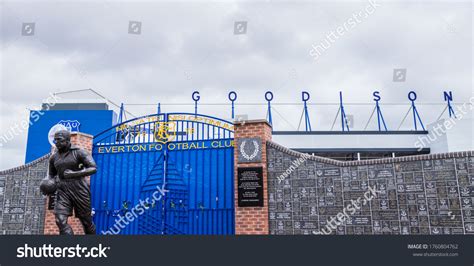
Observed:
{"x":83,"y":141}
{"x":252,"y":220}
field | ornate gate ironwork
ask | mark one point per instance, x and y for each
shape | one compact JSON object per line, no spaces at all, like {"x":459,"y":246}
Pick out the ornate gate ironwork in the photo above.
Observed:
{"x":165,"y":174}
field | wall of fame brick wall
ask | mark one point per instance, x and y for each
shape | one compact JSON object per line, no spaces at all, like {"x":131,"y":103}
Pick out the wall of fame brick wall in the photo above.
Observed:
{"x":22,"y":206}
{"x":424,"y":194}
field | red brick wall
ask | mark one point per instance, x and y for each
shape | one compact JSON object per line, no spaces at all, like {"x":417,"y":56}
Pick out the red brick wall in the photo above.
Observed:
{"x":84,"y":141}
{"x":252,"y":220}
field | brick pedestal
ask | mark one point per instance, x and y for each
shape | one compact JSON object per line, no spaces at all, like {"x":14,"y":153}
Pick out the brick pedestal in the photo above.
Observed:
{"x":252,"y":220}
{"x":83,"y":141}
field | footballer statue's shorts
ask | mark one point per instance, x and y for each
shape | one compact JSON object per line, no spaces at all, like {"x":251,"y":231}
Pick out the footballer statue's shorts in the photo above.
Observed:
{"x":73,"y":194}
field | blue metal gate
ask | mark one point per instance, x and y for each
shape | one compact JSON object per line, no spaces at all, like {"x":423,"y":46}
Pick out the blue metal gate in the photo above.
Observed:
{"x":165,"y":174}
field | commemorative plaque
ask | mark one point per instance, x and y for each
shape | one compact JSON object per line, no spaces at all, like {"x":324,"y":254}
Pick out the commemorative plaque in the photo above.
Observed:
{"x":250,"y":186}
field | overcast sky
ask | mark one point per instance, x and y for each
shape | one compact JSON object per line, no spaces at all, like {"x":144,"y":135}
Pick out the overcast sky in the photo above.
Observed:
{"x":187,"y":46}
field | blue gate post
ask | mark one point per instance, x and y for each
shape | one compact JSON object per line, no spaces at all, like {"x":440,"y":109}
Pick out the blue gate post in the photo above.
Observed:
{"x":165,"y":174}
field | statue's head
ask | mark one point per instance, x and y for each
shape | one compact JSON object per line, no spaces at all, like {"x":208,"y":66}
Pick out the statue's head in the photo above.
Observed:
{"x":62,"y":140}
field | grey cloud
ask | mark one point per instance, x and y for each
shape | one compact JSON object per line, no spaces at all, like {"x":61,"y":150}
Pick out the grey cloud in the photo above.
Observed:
{"x":191,"y":46}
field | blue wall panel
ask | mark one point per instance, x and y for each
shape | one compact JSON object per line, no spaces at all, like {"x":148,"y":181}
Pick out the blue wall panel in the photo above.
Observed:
{"x":92,"y":122}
